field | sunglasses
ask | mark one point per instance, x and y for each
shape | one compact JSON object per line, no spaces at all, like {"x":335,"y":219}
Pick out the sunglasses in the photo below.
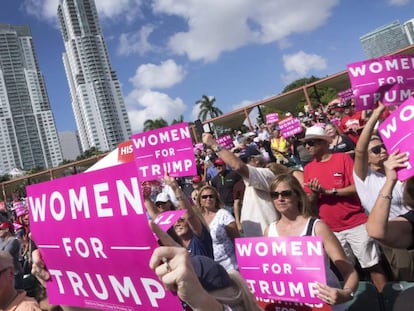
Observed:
{"x":311,"y":142}
{"x":377,"y":149}
{"x":205,"y":196}
{"x":284,"y":194}
{"x":160,"y":204}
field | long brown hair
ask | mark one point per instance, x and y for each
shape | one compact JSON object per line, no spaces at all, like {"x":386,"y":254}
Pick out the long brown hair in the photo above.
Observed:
{"x":304,"y":205}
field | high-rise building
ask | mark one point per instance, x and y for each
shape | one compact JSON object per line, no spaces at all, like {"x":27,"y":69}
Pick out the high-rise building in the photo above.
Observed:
{"x":384,"y":40}
{"x":28,"y":136}
{"x":98,"y":105}
{"x":71,"y":148}
{"x":409,"y":30}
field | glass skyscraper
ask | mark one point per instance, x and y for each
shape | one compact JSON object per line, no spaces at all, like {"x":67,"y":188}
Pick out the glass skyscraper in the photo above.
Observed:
{"x":28,"y":136}
{"x":97,"y":101}
{"x":384,"y":40}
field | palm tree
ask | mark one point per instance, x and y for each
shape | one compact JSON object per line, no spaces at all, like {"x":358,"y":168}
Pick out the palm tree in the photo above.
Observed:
{"x":154,"y":124}
{"x":207,"y":108}
{"x":179,"y":120}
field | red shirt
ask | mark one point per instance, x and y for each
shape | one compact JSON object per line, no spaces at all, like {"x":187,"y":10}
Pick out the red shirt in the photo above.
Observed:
{"x":339,"y":213}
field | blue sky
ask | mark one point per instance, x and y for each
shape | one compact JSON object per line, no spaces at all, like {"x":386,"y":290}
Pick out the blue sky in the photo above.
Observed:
{"x":168,"y":53}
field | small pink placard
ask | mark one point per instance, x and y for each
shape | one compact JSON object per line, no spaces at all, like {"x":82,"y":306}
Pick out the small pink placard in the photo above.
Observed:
{"x":282,"y":268}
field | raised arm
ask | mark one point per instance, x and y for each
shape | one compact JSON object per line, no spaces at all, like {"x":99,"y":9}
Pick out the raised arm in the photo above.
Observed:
{"x":194,"y":218}
{"x":227,"y":156}
{"x":149,"y":205}
{"x":361,"y":154}
{"x":397,"y":232}
{"x":336,"y":253}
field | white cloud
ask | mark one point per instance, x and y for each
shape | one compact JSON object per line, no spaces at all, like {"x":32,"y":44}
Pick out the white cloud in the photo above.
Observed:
{"x":146,"y":104}
{"x":216,"y":26}
{"x":298,"y":65}
{"x":242,"y":104}
{"x":399,"y":2}
{"x":165,"y":75}
{"x":136,"y":43}
{"x":107,"y":9}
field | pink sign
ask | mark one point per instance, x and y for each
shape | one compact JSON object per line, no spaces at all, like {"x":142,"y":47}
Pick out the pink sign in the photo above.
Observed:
{"x":225,"y":141}
{"x":272,"y":118}
{"x":290,"y":126}
{"x":346,"y":95}
{"x":165,"y":150}
{"x":283,"y":268}
{"x":166,"y":219}
{"x":396,"y":132}
{"x":93,"y":233}
{"x":389,"y":79}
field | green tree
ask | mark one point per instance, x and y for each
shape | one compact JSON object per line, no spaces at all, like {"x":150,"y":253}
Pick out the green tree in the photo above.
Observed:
{"x":151,"y":124}
{"x":179,"y":120}
{"x":207,"y":108}
{"x":317,"y":95}
{"x":89,"y":153}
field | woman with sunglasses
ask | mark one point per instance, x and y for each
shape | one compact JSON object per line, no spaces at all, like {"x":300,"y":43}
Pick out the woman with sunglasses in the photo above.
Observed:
{"x":369,"y":177}
{"x":190,"y":229}
{"x":223,"y":228}
{"x":294,"y":218}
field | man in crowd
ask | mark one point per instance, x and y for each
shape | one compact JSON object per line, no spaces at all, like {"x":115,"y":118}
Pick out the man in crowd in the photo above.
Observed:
{"x":258,"y":211}
{"x":330,"y":187}
{"x":224,"y":182}
{"x":11,"y":298}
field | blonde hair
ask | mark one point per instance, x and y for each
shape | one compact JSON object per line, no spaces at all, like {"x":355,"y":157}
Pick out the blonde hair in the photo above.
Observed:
{"x":219,"y":203}
{"x":304,"y":205}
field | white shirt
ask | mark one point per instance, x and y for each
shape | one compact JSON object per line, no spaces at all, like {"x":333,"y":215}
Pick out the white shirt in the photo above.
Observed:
{"x":369,"y":189}
{"x":257,"y":212}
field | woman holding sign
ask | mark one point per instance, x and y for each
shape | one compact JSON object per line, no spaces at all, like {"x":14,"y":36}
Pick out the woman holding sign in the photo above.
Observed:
{"x":294,"y":218}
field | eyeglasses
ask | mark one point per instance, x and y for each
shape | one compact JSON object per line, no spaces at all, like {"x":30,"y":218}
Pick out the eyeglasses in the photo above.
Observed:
{"x":377,"y":149}
{"x":285,"y":194}
{"x":160,"y":203}
{"x":205,"y":196}
{"x":4,"y":270}
{"x":311,"y":142}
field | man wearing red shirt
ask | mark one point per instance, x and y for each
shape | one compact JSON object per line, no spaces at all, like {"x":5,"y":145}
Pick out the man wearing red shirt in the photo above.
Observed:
{"x":330,"y":187}
{"x":352,"y":121}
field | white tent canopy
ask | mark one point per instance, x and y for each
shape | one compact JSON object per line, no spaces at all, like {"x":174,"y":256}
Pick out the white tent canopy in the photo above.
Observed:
{"x":16,"y":172}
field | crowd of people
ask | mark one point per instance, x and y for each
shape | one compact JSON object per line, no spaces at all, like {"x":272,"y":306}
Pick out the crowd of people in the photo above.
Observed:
{"x":334,"y":180}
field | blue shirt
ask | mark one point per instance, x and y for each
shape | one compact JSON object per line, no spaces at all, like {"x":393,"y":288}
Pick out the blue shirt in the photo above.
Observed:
{"x":201,"y":245}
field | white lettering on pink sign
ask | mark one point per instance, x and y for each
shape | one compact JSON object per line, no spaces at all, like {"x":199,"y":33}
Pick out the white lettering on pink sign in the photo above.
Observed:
{"x":389,"y":79}
{"x":397,"y":133}
{"x":94,"y":236}
{"x":282,"y":268}
{"x":165,"y":150}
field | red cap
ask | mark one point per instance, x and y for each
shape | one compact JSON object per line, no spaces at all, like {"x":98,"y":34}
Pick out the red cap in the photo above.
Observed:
{"x":219,"y":161}
{"x":196,"y":179}
{"x":6,"y":225}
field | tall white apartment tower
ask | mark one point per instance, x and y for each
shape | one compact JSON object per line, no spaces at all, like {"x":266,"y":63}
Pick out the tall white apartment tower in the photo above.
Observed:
{"x":97,"y":101}
{"x":409,"y":30}
{"x":28,"y":136}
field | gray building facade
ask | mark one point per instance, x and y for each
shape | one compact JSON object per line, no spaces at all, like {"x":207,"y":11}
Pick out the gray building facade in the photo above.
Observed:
{"x":28,"y":135}
{"x":97,"y":101}
{"x":384,"y":40}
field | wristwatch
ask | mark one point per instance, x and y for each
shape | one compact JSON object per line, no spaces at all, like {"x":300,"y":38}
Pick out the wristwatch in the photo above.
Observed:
{"x":334,"y":191}
{"x":218,"y":148}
